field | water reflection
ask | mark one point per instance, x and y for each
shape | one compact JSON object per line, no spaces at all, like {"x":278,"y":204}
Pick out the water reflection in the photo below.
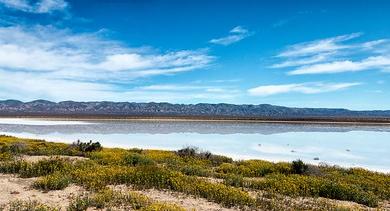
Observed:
{"x":167,"y":127}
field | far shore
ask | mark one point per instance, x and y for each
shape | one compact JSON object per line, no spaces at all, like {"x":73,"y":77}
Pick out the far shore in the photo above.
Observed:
{"x":330,"y":120}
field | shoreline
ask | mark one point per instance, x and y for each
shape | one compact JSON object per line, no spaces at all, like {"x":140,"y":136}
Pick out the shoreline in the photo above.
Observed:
{"x":336,"y":121}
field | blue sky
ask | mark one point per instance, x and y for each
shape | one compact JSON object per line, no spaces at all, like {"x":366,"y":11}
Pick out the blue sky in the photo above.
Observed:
{"x":291,"y":53}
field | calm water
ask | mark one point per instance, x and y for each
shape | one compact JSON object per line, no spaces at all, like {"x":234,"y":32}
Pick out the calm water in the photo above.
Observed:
{"x":344,"y":145}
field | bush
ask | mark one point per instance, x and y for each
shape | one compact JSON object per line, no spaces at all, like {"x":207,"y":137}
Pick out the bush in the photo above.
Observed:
{"x":55,"y":181}
{"x":109,"y":199}
{"x":195,"y":170}
{"x":254,"y":168}
{"x":298,"y":167}
{"x":40,"y":168}
{"x":302,"y":185}
{"x":87,"y":146}
{"x":194,"y":152}
{"x":188,"y":152}
{"x":234,"y":180}
{"x":17,"y":148}
{"x":5,"y":156}
{"x":15,"y":145}
{"x":43,"y":167}
{"x":80,"y":203}
{"x":135,"y":159}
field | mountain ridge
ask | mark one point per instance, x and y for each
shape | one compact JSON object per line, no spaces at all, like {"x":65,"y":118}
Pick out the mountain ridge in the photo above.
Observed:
{"x":163,"y":109}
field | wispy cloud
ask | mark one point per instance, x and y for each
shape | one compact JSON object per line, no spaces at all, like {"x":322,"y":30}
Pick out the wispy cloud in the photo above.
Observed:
{"x":49,"y":63}
{"x":30,"y":86}
{"x":191,"y":87}
{"x":335,"y":55}
{"x":318,"y":46}
{"x":304,"y":88}
{"x":377,"y":62}
{"x":42,"y":6}
{"x":236,"y":34}
{"x":303,"y":61}
{"x":63,"y":54}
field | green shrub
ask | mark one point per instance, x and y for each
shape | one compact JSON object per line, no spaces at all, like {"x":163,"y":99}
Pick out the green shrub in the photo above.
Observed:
{"x":6,"y":156}
{"x":79,"y":203}
{"x":108,"y":199}
{"x":55,"y":181}
{"x":254,"y":168}
{"x":194,"y":152}
{"x":17,"y":147}
{"x":188,"y":152}
{"x":40,"y":168}
{"x":87,"y":146}
{"x":302,"y":185}
{"x":234,"y":180}
{"x":135,"y":159}
{"x":299,"y":167}
{"x":195,"y":170}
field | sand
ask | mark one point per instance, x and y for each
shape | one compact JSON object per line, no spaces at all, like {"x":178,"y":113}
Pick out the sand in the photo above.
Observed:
{"x":15,"y":188}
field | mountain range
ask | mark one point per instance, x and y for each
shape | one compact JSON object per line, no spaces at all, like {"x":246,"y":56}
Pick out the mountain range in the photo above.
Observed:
{"x":201,"y":110}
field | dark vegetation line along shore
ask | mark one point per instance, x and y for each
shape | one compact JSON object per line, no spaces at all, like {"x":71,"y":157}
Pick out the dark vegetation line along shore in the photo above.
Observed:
{"x":246,"y":185}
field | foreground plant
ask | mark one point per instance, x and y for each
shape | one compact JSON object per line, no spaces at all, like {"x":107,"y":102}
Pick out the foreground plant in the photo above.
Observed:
{"x":250,"y":184}
{"x":109,"y":199}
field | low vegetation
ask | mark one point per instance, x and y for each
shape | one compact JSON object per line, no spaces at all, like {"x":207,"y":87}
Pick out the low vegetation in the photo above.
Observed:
{"x":107,"y":199}
{"x":251,"y":184}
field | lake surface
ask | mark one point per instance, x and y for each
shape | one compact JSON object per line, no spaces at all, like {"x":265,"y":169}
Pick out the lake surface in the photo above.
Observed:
{"x":365,"y":146}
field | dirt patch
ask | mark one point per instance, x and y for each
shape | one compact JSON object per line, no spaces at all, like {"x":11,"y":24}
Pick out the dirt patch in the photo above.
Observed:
{"x":14,"y":188}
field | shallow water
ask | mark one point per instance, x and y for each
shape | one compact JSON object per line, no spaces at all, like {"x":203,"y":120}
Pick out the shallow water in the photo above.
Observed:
{"x":344,"y":145}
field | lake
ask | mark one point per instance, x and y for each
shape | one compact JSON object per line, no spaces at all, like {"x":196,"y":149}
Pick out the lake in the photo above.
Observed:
{"x":346,"y":145}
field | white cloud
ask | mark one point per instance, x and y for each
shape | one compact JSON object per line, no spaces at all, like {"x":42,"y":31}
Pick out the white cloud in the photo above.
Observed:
{"x":30,"y":86}
{"x":190,"y":87}
{"x":239,"y":30}
{"x":378,"y":62}
{"x":42,"y":6}
{"x":172,"y":87}
{"x":17,"y":4}
{"x":236,"y":34}
{"x":63,"y":54}
{"x":47,"y":6}
{"x":48,"y":63}
{"x":318,"y":46}
{"x":303,"y":61}
{"x":334,"y":55}
{"x":304,"y":88}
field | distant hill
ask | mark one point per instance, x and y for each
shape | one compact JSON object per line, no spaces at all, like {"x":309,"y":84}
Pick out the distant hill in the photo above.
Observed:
{"x":201,"y":110}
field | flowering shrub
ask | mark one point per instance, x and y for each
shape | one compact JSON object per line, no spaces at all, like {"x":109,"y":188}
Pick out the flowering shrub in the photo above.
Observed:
{"x":55,"y":181}
{"x":40,"y":168}
{"x":108,"y":199}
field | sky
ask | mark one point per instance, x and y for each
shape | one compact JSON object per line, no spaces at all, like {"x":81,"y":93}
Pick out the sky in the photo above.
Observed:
{"x":299,"y":53}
